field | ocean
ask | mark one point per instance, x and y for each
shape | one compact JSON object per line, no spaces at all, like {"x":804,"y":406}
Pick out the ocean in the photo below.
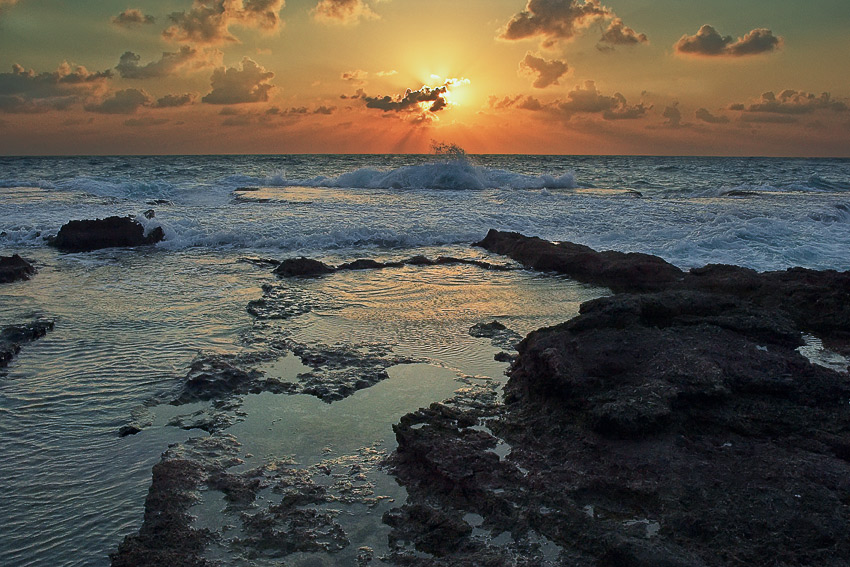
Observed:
{"x":130,"y":323}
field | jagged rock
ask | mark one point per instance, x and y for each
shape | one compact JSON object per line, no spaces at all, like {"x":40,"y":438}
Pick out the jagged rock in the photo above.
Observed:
{"x":87,"y":235}
{"x":14,"y":268}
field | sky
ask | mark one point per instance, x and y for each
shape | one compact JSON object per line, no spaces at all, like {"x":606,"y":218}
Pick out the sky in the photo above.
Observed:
{"x":589,"y":77}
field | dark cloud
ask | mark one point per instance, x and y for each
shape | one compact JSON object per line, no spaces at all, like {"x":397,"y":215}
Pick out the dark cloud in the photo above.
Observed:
{"x":145,"y":122}
{"x":247,"y":83}
{"x":554,"y":20}
{"x":709,"y":43}
{"x":25,"y":91}
{"x":209,"y":21}
{"x":411,"y":100}
{"x":327,"y":110}
{"x":129,"y":68}
{"x":174,"y":101}
{"x":359,"y":93}
{"x":126,"y":101}
{"x":507,"y":102}
{"x":346,"y":12}
{"x":132,"y":17}
{"x":793,"y":102}
{"x":548,"y":72}
{"x":704,"y":115}
{"x":619,"y":33}
{"x":529,"y":103}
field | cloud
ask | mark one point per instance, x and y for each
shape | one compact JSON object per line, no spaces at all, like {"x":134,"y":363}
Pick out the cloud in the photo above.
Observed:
{"x":672,"y":116}
{"x":620,"y":34}
{"x":548,"y":72}
{"x":132,"y":17}
{"x":345,"y":12}
{"x":170,"y":62}
{"x":25,"y":91}
{"x":582,"y":100}
{"x":411,"y":100}
{"x":126,"y":101}
{"x":387,"y":73}
{"x":145,"y":122}
{"x":357,"y":77}
{"x":706,"y":116}
{"x":793,"y":102}
{"x":709,"y":43}
{"x":554,"y":20}
{"x":174,"y":101}
{"x":209,"y":21}
{"x":247,"y":83}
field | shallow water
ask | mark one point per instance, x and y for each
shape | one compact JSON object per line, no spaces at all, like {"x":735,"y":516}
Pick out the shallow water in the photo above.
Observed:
{"x":130,"y":322}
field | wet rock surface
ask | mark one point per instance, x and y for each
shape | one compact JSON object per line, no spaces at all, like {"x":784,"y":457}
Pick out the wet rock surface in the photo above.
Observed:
{"x":12,"y":337}
{"x":499,"y":335}
{"x":680,"y":427}
{"x":14,"y":268}
{"x":110,"y":232}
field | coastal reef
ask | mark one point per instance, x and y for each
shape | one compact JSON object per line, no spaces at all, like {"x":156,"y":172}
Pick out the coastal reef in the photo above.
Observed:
{"x":678,"y":426}
{"x":14,"y":268}
{"x":111,"y":232}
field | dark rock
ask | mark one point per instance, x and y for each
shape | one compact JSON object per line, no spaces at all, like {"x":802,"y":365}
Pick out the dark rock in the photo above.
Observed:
{"x":149,"y":214}
{"x":166,"y":536}
{"x":419,"y":261}
{"x":817,"y":301}
{"x":499,"y":335}
{"x":126,"y":430}
{"x":486,"y":329}
{"x":14,"y":268}
{"x":618,"y":270}
{"x":87,"y":235}
{"x":13,"y":336}
{"x":363,"y":264}
{"x":429,"y":529}
{"x":739,"y":193}
{"x":292,"y":267}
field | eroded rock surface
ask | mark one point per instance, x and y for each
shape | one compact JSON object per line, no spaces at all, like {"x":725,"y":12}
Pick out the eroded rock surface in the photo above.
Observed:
{"x":295,"y":267}
{"x":14,"y":268}
{"x":674,"y":428}
{"x":87,"y":235}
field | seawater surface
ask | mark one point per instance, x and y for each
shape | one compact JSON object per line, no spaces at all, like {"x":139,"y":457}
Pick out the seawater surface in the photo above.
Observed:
{"x":129,"y":323}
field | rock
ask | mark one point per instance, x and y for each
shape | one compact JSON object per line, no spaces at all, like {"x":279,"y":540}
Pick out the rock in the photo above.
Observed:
{"x":14,"y":268}
{"x":87,"y":235}
{"x":167,"y":536}
{"x":126,"y":430}
{"x":13,"y":336}
{"x":618,"y":270}
{"x":303,"y":267}
{"x":366,"y":265}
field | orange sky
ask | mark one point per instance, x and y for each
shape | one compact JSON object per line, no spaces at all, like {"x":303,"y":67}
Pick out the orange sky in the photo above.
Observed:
{"x":664,"y":77}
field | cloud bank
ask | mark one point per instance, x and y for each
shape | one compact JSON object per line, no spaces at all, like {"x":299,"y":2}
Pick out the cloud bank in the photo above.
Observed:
{"x":129,"y":68}
{"x":25,"y":91}
{"x":707,"y":42}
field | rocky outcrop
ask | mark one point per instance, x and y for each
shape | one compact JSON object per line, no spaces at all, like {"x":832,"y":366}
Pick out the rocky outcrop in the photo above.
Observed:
{"x":817,"y":301}
{"x":619,"y":271}
{"x":13,"y":336}
{"x":14,"y":268}
{"x":677,"y":426}
{"x":87,"y":235}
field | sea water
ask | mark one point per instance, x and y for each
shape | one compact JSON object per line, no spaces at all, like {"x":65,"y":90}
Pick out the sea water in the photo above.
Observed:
{"x":130,"y":322}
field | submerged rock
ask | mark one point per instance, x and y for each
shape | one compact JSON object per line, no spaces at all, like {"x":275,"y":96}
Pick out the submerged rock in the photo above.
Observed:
{"x":14,"y":268}
{"x":308,"y":267}
{"x":87,"y":235}
{"x":13,"y":336}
